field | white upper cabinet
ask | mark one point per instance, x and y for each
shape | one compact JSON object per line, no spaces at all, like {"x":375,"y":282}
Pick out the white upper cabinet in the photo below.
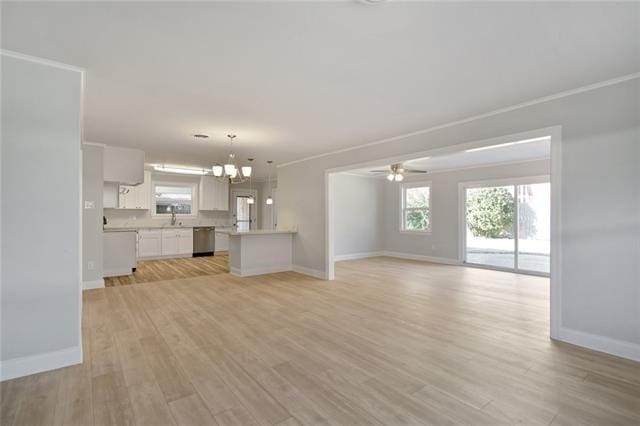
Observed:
{"x":110,"y":195}
{"x":214,"y":194}
{"x":123,"y":165}
{"x":136,"y":197}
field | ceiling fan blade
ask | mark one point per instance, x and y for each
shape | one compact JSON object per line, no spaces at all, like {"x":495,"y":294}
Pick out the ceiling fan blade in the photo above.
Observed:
{"x":414,"y":171}
{"x":379,"y":171}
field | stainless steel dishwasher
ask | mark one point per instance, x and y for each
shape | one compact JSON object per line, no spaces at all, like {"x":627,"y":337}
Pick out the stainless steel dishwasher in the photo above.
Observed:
{"x":204,"y":240}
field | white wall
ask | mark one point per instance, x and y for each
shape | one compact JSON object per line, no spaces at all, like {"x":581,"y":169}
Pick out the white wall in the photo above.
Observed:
{"x":359,"y":218}
{"x":92,"y":184}
{"x":600,"y":304}
{"x":443,"y":242}
{"x":41,"y":178}
{"x":265,"y":211}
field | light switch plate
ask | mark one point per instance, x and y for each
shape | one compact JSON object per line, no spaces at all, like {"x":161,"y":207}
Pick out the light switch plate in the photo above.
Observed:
{"x":89,"y":204}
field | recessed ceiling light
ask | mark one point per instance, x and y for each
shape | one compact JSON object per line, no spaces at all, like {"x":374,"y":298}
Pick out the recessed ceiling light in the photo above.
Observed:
{"x":201,"y":136}
{"x":501,"y":145}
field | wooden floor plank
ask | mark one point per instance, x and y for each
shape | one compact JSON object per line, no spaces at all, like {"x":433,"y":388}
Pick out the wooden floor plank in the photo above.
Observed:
{"x":388,"y":342}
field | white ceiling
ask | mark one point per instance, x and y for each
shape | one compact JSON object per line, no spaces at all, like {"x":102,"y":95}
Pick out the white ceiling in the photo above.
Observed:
{"x":298,"y":79}
{"x":534,"y":150}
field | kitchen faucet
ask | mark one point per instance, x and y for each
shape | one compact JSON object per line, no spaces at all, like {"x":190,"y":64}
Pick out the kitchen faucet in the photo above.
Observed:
{"x":173,"y":215}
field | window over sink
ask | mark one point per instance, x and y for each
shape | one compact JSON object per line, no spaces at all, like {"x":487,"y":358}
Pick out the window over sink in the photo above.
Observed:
{"x":175,"y":198}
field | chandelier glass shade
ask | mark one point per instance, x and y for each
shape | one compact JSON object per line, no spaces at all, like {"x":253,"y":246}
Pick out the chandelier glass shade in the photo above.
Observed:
{"x":218,"y":170}
{"x":230,"y":170}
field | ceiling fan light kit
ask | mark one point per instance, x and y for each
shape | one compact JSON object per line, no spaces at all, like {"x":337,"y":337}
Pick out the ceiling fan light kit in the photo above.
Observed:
{"x":396,"y":172}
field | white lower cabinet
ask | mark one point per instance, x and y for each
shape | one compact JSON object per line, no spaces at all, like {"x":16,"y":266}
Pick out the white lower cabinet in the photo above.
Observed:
{"x":165,"y":242}
{"x":149,"y":243}
{"x":169,"y":242}
{"x":222,"y":241}
{"x":185,"y":241}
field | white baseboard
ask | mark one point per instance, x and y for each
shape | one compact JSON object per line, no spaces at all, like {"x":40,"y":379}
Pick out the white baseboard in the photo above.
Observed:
{"x":311,"y":272}
{"x":89,"y":285}
{"x":410,"y":256}
{"x":355,"y":256}
{"x":25,"y":366}
{"x":598,"y":343}
{"x":259,"y":271}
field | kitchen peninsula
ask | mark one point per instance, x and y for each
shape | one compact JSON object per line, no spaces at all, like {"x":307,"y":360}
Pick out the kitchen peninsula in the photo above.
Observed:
{"x":260,"y":252}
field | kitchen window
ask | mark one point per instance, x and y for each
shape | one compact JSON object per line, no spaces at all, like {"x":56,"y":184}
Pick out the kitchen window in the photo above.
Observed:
{"x":415,"y":207}
{"x":174,"y":198}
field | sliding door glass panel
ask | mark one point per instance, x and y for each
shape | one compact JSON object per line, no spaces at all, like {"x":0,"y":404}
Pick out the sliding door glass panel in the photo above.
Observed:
{"x":534,"y":227}
{"x":243,"y":213}
{"x":490,"y":217}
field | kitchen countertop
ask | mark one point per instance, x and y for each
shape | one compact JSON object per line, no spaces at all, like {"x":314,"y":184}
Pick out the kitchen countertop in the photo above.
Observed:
{"x":111,"y":228}
{"x":262,"y":232}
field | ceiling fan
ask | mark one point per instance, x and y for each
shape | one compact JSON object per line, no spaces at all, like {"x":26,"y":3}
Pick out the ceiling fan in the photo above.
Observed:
{"x":396,"y":172}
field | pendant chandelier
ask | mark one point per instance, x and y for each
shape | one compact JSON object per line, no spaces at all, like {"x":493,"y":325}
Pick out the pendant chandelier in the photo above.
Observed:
{"x":269,"y":199}
{"x":230,"y":169}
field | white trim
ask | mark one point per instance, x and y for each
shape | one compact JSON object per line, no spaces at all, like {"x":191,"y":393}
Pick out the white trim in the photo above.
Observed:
{"x":42,"y":61}
{"x":308,"y":271}
{"x":90,"y":285}
{"x":259,"y":271}
{"x":536,"y":101}
{"x":444,"y":150}
{"x":253,"y":192}
{"x":354,"y":256}
{"x":432,"y":259}
{"x":525,"y":180}
{"x":329,"y":245}
{"x":414,"y":184}
{"x":595,"y":342}
{"x":194,"y":199}
{"x":101,"y":145}
{"x":27,"y":365}
{"x":555,"y":291}
{"x":462,"y":228}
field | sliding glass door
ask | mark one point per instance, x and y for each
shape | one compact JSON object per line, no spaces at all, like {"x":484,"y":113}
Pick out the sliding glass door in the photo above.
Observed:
{"x":507,"y":225}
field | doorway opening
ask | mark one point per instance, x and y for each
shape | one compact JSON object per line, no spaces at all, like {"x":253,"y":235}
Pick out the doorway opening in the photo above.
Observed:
{"x":506,"y":224}
{"x":243,"y":211}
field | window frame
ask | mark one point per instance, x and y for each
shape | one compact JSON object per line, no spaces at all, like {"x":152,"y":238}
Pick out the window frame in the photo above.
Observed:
{"x":403,"y":189}
{"x":194,"y":198}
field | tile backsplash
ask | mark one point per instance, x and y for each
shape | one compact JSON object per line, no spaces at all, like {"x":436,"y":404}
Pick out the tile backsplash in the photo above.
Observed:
{"x":142,"y":218}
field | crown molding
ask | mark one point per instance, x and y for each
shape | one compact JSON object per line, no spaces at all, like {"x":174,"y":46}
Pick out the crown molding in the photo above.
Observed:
{"x":514,"y":107}
{"x":43,"y":61}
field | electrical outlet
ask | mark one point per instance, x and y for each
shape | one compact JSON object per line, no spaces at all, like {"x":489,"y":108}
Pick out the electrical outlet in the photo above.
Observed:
{"x":91,"y":265}
{"x":89,"y":204}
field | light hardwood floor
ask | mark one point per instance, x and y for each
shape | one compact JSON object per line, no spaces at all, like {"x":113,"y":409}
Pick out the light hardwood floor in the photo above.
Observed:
{"x":170,"y":269}
{"x":389,"y":342}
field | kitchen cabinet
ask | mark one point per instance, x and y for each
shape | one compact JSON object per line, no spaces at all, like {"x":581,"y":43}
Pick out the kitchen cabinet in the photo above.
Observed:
{"x":169,"y":242}
{"x":165,"y":242}
{"x":222,"y":241}
{"x":123,"y":165}
{"x":149,"y":243}
{"x":136,"y":197}
{"x":177,"y":241}
{"x":119,"y":252}
{"x":214,"y":194}
{"x":185,"y":241}
{"x":110,"y":195}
